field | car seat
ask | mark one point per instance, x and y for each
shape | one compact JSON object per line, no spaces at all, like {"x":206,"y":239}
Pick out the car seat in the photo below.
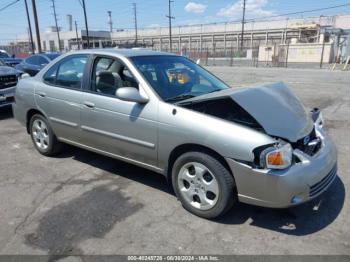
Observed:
{"x":106,"y":83}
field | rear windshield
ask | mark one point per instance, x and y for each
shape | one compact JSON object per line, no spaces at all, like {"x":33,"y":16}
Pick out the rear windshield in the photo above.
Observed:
{"x":52,"y":56}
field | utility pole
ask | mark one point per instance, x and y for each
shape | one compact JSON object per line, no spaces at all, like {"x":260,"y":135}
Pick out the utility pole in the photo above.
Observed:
{"x":86,"y":25}
{"x":76,"y":34}
{"x":135,"y":21}
{"x":57,"y":29}
{"x":29,"y":27}
{"x":243,"y":22}
{"x":36,"y":26}
{"x":170,"y":18}
{"x":110,"y":22}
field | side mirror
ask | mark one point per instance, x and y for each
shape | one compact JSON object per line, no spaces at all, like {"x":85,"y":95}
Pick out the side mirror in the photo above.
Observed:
{"x":25,"y":75}
{"x":130,"y":94}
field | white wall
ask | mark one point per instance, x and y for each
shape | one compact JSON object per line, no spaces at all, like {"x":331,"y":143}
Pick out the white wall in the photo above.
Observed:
{"x":309,"y":53}
{"x":299,"y":53}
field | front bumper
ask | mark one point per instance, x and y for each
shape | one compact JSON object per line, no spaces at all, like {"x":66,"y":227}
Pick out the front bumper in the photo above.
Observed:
{"x":7,"y":96}
{"x":297,"y":184}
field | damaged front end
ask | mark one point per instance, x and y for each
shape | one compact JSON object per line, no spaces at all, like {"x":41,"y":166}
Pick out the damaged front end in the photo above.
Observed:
{"x":271,"y":109}
{"x":300,"y":161}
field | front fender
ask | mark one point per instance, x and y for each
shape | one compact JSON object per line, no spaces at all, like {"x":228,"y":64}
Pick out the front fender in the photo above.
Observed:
{"x":178,"y":126}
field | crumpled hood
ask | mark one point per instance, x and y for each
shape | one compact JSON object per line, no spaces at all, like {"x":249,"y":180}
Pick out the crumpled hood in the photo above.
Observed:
{"x":273,"y":106}
{"x":276,"y":109}
{"x":6,"y":70}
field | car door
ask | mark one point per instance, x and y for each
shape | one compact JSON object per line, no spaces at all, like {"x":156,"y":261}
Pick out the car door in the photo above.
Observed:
{"x":124,"y":129}
{"x":59,"y":96}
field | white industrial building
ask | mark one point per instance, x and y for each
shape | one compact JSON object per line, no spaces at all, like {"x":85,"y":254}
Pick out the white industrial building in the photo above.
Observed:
{"x":72,"y":40}
{"x":284,"y":40}
{"x":307,"y":39}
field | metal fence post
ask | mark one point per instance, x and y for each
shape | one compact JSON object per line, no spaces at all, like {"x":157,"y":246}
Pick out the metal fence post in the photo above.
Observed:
{"x":322,"y":52}
{"x":214,"y":52}
{"x":206,"y":57}
{"x":287,"y":53}
{"x":231,"y":56}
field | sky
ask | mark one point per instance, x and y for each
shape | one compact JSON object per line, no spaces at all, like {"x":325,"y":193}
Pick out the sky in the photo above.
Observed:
{"x":151,"y":13}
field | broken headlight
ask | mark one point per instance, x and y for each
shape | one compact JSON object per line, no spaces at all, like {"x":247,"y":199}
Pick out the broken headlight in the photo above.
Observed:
{"x":277,"y":157}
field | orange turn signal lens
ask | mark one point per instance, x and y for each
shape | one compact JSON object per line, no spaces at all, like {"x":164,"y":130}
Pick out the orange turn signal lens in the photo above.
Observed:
{"x":278,"y":157}
{"x":275,"y":159}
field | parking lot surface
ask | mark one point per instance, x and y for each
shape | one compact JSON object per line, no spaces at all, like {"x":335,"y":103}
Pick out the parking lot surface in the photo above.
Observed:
{"x":83,"y":203}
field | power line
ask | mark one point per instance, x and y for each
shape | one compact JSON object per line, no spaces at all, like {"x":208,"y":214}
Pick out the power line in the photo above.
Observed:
{"x":172,"y":22}
{"x":8,"y":5}
{"x":266,"y":18}
{"x":301,"y":12}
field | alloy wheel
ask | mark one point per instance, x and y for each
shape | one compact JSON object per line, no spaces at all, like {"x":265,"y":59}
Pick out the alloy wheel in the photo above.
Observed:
{"x":198,"y":185}
{"x":40,"y":134}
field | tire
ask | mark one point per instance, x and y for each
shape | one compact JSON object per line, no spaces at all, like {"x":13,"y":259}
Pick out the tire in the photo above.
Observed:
{"x":197,"y":173}
{"x":43,"y":137}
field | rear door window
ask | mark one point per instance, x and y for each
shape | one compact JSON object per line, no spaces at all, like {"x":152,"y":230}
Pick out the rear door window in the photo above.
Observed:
{"x":33,"y":60}
{"x":67,"y":73}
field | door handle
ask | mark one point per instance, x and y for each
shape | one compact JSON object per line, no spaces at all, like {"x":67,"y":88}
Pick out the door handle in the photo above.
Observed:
{"x":41,"y":94}
{"x":89,"y":104}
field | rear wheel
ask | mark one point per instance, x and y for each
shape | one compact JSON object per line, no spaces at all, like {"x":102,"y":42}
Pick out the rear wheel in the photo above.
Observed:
{"x":43,"y":137}
{"x":203,"y":185}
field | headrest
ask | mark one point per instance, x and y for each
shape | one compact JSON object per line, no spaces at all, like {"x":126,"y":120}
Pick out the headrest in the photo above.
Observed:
{"x":105,"y":77}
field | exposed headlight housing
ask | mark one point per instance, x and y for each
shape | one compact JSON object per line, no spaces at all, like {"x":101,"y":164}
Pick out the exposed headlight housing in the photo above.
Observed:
{"x":277,"y":157}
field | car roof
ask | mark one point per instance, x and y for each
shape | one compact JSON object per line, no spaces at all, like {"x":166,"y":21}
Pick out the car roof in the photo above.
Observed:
{"x":45,"y":54}
{"x":123,"y":52}
{"x":51,"y":55}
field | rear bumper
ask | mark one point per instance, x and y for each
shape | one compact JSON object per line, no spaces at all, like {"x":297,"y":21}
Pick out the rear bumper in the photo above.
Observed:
{"x":7,"y":96}
{"x":19,"y":114}
{"x":284,"y":188}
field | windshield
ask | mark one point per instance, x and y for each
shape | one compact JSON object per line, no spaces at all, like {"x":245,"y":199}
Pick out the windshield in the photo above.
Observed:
{"x":177,"y":78}
{"x":4,"y":55}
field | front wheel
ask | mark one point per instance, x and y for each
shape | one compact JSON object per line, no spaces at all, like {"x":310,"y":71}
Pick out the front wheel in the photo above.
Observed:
{"x":203,"y":184}
{"x":43,"y":137}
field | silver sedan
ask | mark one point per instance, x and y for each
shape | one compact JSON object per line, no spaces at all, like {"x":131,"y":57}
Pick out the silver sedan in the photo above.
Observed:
{"x":215,"y":144}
